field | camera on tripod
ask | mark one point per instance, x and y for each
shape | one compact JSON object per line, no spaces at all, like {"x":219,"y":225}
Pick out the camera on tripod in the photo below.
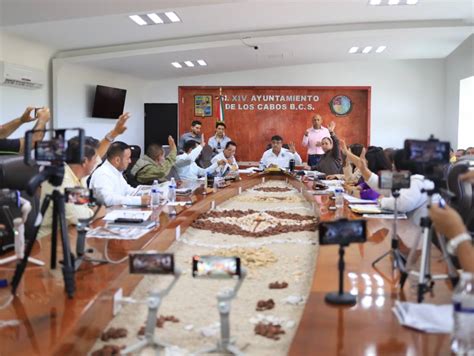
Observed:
{"x":394,"y":180}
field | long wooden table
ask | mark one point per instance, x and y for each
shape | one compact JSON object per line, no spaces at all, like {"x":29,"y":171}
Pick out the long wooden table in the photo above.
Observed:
{"x":52,"y":324}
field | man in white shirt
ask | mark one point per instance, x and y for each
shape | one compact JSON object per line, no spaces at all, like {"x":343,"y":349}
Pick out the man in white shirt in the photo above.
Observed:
{"x":228,"y":156}
{"x":219,"y":141}
{"x":186,"y":162}
{"x":108,"y":183}
{"x":280,"y":157}
{"x":72,"y":179}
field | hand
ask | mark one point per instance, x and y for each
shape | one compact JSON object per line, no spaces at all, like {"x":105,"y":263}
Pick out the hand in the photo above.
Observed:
{"x":203,"y":140}
{"x":447,"y":221}
{"x":120,"y":125}
{"x":26,"y":116}
{"x":292,"y":148}
{"x":306,"y":167}
{"x":145,"y":200}
{"x":331,"y":126}
{"x":343,"y":146}
{"x":43,"y":114}
{"x":222,"y":162}
{"x":467,"y":177}
{"x":171,"y":143}
{"x":318,"y":144}
{"x":306,"y":133}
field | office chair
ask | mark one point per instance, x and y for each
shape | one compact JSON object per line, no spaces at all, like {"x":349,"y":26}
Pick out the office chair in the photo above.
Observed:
{"x":129,"y":177}
{"x":464,"y":201}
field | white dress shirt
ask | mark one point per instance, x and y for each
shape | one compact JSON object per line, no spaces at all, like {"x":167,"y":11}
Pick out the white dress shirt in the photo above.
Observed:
{"x":111,"y":188}
{"x":233,"y":166}
{"x":188,"y":169}
{"x":218,"y":145}
{"x":282,"y":160}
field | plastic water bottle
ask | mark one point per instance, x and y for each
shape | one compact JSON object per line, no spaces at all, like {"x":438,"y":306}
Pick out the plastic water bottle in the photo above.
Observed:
{"x":463,"y":309}
{"x":172,"y":190}
{"x":339,"y":201}
{"x":155,"y":195}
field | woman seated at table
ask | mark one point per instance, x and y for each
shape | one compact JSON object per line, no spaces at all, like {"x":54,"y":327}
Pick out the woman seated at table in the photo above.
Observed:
{"x":330,"y":162}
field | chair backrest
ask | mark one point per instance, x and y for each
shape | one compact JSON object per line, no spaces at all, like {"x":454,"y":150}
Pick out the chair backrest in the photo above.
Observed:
{"x":464,"y":201}
{"x":129,"y":177}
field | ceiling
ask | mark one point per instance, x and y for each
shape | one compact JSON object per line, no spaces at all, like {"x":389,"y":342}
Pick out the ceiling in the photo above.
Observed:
{"x":224,"y":32}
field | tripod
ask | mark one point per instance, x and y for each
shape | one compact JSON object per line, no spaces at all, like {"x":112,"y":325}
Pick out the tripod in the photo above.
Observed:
{"x":154,"y":302}
{"x":225,"y":344}
{"x":398,"y":261}
{"x":425,"y":278}
{"x":54,"y":175}
{"x":339,"y":297}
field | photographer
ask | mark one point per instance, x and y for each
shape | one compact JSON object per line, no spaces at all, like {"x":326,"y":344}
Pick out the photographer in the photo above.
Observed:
{"x":411,"y":201}
{"x":449,"y":223}
{"x":73,"y":173}
{"x":12,"y":146}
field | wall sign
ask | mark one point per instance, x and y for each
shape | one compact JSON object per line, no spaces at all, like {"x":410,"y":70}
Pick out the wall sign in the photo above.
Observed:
{"x":341,"y":105}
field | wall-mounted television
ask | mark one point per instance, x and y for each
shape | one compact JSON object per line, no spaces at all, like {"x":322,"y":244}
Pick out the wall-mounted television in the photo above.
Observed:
{"x":109,"y":102}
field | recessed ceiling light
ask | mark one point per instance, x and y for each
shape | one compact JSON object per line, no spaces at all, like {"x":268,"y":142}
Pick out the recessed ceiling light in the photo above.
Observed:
{"x":375,"y":2}
{"x":202,"y":62}
{"x":176,"y":65}
{"x":353,"y":49}
{"x":393,"y":2}
{"x":138,"y":20}
{"x":172,"y":16}
{"x":189,"y":63}
{"x":380,"y":49}
{"x":367,"y":49}
{"x":412,"y":2}
{"x":155,"y":18}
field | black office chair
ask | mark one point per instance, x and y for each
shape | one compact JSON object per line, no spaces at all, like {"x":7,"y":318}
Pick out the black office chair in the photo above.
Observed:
{"x":15,"y":175}
{"x":129,"y":177}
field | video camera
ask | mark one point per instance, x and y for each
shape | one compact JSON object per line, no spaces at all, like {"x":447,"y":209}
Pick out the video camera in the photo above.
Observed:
{"x":53,"y":152}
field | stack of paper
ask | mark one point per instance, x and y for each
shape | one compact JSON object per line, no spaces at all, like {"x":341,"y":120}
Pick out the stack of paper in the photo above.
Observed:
{"x":365,"y":209}
{"x":353,"y":200}
{"x":127,"y":214}
{"x":425,"y":317}
{"x":386,"y":216}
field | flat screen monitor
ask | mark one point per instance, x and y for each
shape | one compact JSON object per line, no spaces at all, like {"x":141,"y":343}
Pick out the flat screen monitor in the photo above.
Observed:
{"x":109,"y":102}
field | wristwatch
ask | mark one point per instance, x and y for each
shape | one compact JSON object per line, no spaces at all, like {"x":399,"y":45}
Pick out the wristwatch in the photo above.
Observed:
{"x":109,"y":137}
{"x":456,"y":241}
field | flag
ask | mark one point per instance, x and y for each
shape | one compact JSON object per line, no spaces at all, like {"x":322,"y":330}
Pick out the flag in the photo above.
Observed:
{"x":221,"y":105}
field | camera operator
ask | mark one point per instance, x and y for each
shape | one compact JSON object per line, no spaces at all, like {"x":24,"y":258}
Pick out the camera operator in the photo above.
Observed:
{"x":449,"y":223}
{"x":73,"y":173}
{"x":12,"y":146}
{"x":108,"y":183}
{"x":411,"y":201}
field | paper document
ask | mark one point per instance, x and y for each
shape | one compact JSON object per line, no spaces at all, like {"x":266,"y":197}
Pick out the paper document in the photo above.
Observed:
{"x":118,"y":233}
{"x":425,"y":317}
{"x":353,"y":200}
{"x":128,"y":214}
{"x":365,"y":209}
{"x":385,"y":216}
{"x":248,"y":170}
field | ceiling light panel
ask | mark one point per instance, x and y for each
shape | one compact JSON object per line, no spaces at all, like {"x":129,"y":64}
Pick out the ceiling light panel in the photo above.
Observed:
{"x":189,"y":63}
{"x":176,"y":65}
{"x":155,"y":18}
{"x":367,"y":49}
{"x":202,"y":62}
{"x":392,"y":2}
{"x":353,"y":50}
{"x":380,"y":49}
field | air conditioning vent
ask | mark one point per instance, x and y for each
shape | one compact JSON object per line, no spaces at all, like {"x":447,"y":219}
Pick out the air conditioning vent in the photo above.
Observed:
{"x":19,"y":76}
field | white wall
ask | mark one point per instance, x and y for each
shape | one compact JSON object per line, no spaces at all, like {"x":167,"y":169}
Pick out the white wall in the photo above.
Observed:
{"x":74,"y":97}
{"x":13,"y":101}
{"x":459,"y":65}
{"x":407,"y":96}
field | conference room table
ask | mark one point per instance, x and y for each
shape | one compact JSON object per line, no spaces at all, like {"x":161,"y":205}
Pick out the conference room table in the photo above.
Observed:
{"x":47,"y":322}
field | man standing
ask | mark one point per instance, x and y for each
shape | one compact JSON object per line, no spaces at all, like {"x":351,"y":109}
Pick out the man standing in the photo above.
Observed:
{"x":194,"y":135}
{"x":108,"y":183}
{"x":277,"y":156}
{"x":227,"y":156}
{"x":219,"y":141}
{"x":312,"y":139}
{"x":154,"y":165}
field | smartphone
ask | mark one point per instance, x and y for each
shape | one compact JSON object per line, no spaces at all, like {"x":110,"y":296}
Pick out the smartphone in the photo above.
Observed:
{"x":427,"y":151}
{"x":394,"y":180}
{"x":342,"y":232}
{"x":78,"y":195}
{"x":151,"y":262}
{"x":50,"y":151}
{"x":216,"y":267}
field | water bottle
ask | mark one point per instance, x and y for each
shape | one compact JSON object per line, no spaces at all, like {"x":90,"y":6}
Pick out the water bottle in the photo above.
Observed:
{"x":215,"y":185}
{"x":172,"y":190}
{"x":463,"y":309}
{"x":155,"y":195}
{"x":339,"y":201}
{"x":292,"y":165}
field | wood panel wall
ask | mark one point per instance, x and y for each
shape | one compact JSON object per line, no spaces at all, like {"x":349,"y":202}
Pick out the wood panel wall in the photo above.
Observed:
{"x":252,"y":127}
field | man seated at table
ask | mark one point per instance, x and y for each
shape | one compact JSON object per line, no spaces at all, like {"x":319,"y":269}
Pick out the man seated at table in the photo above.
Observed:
{"x":219,"y":141}
{"x":228,"y":156}
{"x":186,"y":162}
{"x":193,"y":135}
{"x":73,"y":173}
{"x":108,"y":183}
{"x":280,"y":157}
{"x":154,"y":165}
